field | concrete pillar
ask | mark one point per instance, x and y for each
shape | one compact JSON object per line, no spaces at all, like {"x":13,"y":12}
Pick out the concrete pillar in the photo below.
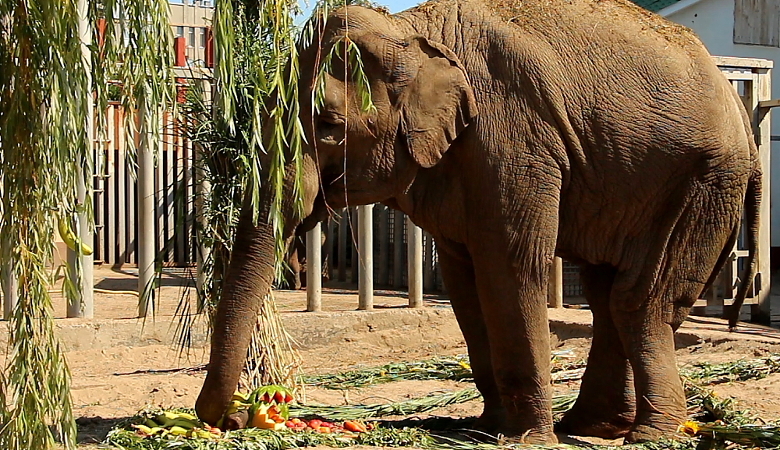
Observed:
{"x":81,"y":265}
{"x":555,"y":288}
{"x":314,"y":269}
{"x":366,"y":251}
{"x":146,"y":236}
{"x":415,"y":272}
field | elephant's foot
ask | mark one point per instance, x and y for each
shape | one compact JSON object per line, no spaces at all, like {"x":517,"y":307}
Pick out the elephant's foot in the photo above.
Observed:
{"x":655,"y":427}
{"x":491,"y":420}
{"x":615,"y":427}
{"x":520,"y":430}
{"x":537,"y":436}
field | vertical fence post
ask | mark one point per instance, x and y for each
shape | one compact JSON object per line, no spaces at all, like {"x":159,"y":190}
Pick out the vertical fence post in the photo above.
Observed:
{"x":202,"y":192}
{"x":343,"y":245}
{"x":366,"y":250}
{"x":81,"y":265}
{"x":146,"y":235}
{"x":429,"y":281}
{"x":314,"y":268}
{"x":203,"y":252}
{"x":330,"y":241}
{"x":354,"y":261}
{"x":414,"y":236}
{"x":398,"y":248}
{"x":763,"y":90}
{"x":555,"y":284}
{"x":384,"y":247}
{"x":9,"y":290}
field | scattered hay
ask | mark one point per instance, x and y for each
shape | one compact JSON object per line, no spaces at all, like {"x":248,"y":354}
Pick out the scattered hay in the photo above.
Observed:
{"x":715,"y":422}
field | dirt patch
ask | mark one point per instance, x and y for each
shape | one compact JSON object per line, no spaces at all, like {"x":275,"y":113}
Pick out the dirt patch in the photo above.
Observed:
{"x":121,"y":365}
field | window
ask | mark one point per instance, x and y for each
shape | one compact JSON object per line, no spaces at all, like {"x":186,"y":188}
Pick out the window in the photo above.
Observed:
{"x":192,"y":37}
{"x":757,"y":22}
{"x":179,"y":31}
{"x":202,"y":32}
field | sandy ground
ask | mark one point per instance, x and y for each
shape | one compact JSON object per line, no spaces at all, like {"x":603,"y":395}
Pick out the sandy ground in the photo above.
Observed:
{"x":112,"y":382}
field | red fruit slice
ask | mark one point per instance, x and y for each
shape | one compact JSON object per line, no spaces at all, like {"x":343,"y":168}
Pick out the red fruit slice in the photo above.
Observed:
{"x":279,"y":396}
{"x":288,"y":397}
{"x":266,"y":397}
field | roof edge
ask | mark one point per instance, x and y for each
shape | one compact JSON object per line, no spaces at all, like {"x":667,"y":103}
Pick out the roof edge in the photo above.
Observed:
{"x":677,"y":7}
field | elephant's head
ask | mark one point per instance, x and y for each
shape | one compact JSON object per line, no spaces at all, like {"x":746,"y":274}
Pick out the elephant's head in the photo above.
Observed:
{"x":422,"y":102}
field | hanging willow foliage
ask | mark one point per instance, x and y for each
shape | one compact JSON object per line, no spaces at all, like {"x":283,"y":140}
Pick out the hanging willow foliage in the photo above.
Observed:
{"x":254,"y":117}
{"x":45,"y":96}
{"x":43,"y":147}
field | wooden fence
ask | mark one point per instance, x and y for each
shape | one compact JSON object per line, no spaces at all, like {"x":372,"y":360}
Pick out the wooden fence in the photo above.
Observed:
{"x":115,"y":199}
{"x":116,"y":211}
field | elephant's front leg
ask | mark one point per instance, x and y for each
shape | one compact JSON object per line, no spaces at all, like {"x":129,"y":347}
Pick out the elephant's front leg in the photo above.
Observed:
{"x":513,"y":296}
{"x":458,"y":272}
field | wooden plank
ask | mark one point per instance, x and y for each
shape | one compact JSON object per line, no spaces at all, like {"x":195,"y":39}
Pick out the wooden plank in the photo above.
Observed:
{"x":131,"y":202}
{"x":384,"y":245}
{"x":123,"y":200}
{"x":756,"y":22}
{"x":429,"y":282}
{"x":398,"y":248}
{"x":354,"y":261}
{"x":732,"y":61}
{"x":769,"y":103}
{"x":159,"y":203}
{"x":185,"y":186}
{"x":342,"y":243}
{"x":763,"y":93}
{"x":170,"y":178}
{"x":726,"y":302}
{"x":739,"y":76}
{"x":331,"y":242}
{"x":114,"y":155}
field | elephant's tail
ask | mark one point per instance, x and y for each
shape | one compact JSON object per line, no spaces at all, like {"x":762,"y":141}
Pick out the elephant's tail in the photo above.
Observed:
{"x":752,"y":207}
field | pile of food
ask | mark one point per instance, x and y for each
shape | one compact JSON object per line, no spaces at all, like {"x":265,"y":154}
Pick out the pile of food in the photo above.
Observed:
{"x":265,"y":408}
{"x":268,"y":418}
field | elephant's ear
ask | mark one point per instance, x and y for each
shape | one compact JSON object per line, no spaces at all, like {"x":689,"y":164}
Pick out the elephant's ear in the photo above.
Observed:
{"x":437,"y":101}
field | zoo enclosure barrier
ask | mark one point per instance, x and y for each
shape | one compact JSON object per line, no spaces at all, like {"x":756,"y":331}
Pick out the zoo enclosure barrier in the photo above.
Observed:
{"x":117,"y":236}
{"x":751,"y":78}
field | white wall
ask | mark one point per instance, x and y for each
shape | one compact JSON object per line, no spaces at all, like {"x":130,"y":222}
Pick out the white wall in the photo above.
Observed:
{"x":713,"y":21}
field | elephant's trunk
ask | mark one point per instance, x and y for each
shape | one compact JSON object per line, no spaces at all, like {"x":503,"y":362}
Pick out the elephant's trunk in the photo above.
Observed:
{"x":247,"y":283}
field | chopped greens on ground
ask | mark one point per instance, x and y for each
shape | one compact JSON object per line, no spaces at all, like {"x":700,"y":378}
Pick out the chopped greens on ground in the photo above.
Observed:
{"x":714,"y":422}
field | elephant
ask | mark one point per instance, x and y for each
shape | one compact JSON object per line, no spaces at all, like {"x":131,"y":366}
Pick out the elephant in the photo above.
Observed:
{"x":295,"y":276}
{"x":515,"y":132}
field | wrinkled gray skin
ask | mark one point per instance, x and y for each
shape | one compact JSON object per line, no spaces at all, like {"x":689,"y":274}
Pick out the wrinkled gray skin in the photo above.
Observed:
{"x":587,"y":129}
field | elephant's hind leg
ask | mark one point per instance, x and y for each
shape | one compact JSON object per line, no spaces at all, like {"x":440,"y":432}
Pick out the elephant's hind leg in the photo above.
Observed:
{"x":605,"y":406}
{"x":659,"y":301}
